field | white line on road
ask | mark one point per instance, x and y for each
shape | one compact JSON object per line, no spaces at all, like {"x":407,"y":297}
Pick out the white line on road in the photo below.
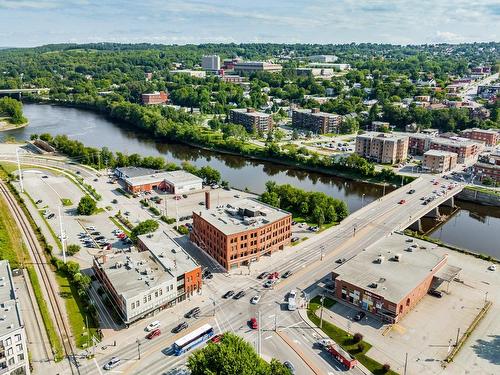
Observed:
{"x":97,"y":366}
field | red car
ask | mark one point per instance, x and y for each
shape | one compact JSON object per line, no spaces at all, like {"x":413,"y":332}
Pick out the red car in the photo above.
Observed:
{"x":254,"y":324}
{"x":402,"y":201}
{"x":217,"y":338}
{"x":121,"y":235}
{"x":274,"y":275}
{"x":153,"y":334}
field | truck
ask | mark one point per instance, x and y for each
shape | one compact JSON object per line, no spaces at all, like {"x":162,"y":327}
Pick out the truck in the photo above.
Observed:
{"x":341,"y":355}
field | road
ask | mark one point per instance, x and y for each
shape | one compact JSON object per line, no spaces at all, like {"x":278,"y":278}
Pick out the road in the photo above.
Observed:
{"x":471,"y":92}
{"x":310,"y":261}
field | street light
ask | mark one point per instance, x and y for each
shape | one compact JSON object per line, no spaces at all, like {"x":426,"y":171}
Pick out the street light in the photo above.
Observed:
{"x":138,"y":347}
{"x":362,"y":200}
{"x":321,"y":312}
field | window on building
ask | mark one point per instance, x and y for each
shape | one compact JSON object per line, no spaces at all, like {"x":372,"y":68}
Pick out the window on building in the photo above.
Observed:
{"x":133,"y":305}
{"x":10,"y":351}
{"x":11,"y":361}
{"x":8,"y":342}
{"x":17,"y":337}
{"x":19,"y":347}
{"x":20,"y":357}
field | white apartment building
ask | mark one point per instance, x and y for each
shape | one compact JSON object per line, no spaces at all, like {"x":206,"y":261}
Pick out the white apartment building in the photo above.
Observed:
{"x":210,"y":62}
{"x":13,"y":347}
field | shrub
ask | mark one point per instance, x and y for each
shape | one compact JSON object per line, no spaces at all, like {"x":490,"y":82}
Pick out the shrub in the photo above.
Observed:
{"x":66,"y":202}
{"x":168,"y":220}
{"x":357,"y":337}
{"x":73,"y":249}
{"x":154,"y":210}
{"x":361,"y":347}
{"x":386,"y":368}
{"x":182,"y":229}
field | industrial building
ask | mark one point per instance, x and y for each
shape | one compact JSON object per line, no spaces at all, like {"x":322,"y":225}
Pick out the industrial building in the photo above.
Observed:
{"x":143,"y":179}
{"x":157,"y":97}
{"x":316,"y":121}
{"x":251,"y":119}
{"x":436,"y":161}
{"x":386,"y":148}
{"x":391,"y":276}
{"x":13,"y":346}
{"x":323,"y":58}
{"x":156,"y":276}
{"x":256,"y":66}
{"x":241,"y":232}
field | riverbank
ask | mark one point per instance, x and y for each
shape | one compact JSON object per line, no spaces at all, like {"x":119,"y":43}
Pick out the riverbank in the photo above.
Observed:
{"x":300,"y":162}
{"x":483,"y":196}
{"x":6,"y":125}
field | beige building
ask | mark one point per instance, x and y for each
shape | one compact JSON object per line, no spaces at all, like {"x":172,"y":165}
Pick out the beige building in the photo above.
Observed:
{"x":316,"y":121}
{"x":256,"y":66}
{"x":436,"y":161}
{"x":385,"y":148}
{"x":251,"y":119}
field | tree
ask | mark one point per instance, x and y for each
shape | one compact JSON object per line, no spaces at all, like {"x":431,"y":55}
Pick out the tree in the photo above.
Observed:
{"x":209,"y":174}
{"x":146,"y":226}
{"x":73,"y":249}
{"x":87,"y":206}
{"x":232,"y":356}
{"x":12,"y":108}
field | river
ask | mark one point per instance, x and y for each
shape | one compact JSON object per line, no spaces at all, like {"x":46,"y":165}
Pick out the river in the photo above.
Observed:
{"x":473,"y":227}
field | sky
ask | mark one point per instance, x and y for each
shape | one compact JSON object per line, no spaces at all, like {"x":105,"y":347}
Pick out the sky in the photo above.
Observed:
{"x":26,"y":23}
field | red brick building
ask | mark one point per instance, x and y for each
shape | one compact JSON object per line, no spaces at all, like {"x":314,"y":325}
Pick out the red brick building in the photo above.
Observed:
{"x":241,"y":232}
{"x":489,"y":137}
{"x":488,"y":168}
{"x":419,"y":143}
{"x":467,"y":150}
{"x":388,"y":280}
{"x":158,"y":97}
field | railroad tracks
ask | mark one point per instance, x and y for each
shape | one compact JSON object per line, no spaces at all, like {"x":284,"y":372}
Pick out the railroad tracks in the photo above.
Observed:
{"x":44,"y":271}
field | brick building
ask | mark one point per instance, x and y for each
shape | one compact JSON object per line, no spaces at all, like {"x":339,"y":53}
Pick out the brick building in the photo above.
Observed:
{"x":488,"y":167}
{"x":386,"y":148}
{"x":390,"y":277}
{"x":241,"y":232}
{"x":157,"y":97}
{"x":436,"y":161}
{"x":157,"y":276}
{"x":419,"y":143}
{"x":144,"y":179}
{"x":316,"y":121}
{"x":466,"y":149}
{"x":251,"y":119}
{"x":489,"y":137}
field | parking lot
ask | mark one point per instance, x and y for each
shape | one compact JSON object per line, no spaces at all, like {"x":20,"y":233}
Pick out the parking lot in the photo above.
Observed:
{"x":430,"y":330}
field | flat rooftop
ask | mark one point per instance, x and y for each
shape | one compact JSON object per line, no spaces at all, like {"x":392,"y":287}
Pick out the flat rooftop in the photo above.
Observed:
{"x":242,"y":215}
{"x":168,"y":253}
{"x":455,"y":141}
{"x":322,"y":114}
{"x":484,"y":131}
{"x":132,"y":273}
{"x":439,"y":153}
{"x":387,"y":136}
{"x":251,"y":113}
{"x":394,"y":279}
{"x":179,"y":177}
{"x":10,"y":312}
{"x":130,"y":172}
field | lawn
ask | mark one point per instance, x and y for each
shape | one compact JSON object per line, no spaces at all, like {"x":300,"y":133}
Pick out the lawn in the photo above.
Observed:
{"x":11,"y":244}
{"x":344,"y":339}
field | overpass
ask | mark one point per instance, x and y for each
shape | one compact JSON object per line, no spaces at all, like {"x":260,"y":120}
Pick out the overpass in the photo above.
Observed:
{"x":19,"y":92}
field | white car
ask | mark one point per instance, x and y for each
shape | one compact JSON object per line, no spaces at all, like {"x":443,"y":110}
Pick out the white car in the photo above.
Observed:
{"x":323,"y":343}
{"x":255,"y":299}
{"x":493,"y":267}
{"x":90,"y":227}
{"x":153,"y":325}
{"x":113,"y":362}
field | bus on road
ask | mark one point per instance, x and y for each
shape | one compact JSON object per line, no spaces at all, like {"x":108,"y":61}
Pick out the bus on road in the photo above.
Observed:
{"x":193,"y":339}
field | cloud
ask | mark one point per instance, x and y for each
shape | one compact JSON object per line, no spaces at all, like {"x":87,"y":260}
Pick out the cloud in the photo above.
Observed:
{"x":449,"y":37}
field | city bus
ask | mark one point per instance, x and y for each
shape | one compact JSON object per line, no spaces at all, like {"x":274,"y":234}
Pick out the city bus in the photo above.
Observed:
{"x":193,"y":339}
{"x":292,"y":304}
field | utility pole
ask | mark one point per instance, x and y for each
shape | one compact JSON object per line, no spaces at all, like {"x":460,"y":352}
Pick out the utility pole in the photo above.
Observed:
{"x":406,"y":363}
{"x":259,"y":337}
{"x":321,"y":312}
{"x":362,"y":200}
{"x":383,"y":194}
{"x":176,"y":213}
{"x":165,"y":206}
{"x":138,"y":347}
{"x":458,"y":334}
{"x":63,"y":240}
{"x":19,"y":171}
{"x":321,"y":248}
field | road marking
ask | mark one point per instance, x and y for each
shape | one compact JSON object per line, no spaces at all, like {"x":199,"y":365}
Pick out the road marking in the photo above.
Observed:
{"x":268,"y":337}
{"x":97,"y":366}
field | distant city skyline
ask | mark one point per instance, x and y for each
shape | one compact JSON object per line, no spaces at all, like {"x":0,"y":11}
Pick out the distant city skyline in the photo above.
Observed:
{"x":26,"y":23}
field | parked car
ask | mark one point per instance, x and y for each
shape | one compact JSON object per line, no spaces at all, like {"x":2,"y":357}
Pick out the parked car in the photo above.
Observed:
{"x":228,"y":294}
{"x":360,"y":315}
{"x":44,"y":176}
{"x":253,"y":323}
{"x":51,"y":216}
{"x":240,"y":294}
{"x":180,"y":327}
{"x":435,"y":293}
{"x":38,"y":201}
{"x":153,"y":325}
{"x":113,"y":362}
{"x":295,"y":239}
{"x":193,"y":313}
{"x":255,"y":299}
{"x":153,"y":334}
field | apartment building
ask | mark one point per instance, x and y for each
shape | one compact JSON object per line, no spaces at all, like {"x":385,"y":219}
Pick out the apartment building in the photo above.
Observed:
{"x":251,"y":119}
{"x":436,"y":161}
{"x":210,"y":62}
{"x":157,"y":276}
{"x":466,"y":149}
{"x":241,"y":232}
{"x":157,"y":97}
{"x":385,"y":148}
{"x":316,"y":121}
{"x":488,"y":167}
{"x":489,"y":136}
{"x":13,"y":345}
{"x":419,"y":143}
{"x":256,"y":66}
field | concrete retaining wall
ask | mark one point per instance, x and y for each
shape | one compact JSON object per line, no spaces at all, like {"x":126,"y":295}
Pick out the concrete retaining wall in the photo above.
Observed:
{"x":487,"y":199}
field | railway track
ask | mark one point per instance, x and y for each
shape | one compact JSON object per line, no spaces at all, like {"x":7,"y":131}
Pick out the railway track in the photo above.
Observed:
{"x":39,"y":261}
